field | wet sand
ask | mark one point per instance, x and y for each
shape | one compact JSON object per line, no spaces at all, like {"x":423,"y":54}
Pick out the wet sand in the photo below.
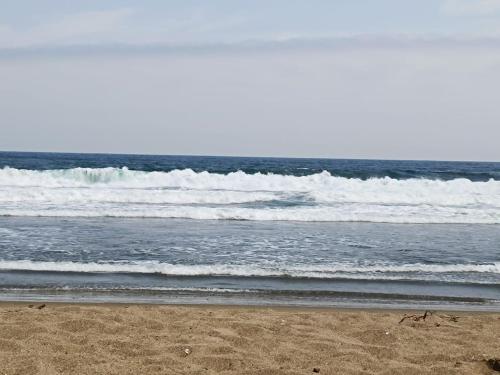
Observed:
{"x":166,"y":339}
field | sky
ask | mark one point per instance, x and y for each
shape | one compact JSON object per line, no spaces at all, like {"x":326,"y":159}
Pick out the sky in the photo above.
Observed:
{"x":390,"y":79}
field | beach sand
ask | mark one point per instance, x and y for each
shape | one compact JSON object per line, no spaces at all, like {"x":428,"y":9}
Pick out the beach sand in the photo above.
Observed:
{"x":162,"y":339}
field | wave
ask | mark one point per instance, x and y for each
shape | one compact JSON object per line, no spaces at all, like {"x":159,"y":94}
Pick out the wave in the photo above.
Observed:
{"x":239,"y":181}
{"x":392,"y":215}
{"x":71,"y":195}
{"x":346,"y":270}
{"x":120,"y":192}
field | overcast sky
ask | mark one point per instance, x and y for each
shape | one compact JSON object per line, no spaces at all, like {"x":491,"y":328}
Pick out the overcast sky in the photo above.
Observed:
{"x":364,"y":79}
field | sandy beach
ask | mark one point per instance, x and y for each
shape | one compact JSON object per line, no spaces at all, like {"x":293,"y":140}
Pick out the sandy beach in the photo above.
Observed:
{"x":159,"y":339}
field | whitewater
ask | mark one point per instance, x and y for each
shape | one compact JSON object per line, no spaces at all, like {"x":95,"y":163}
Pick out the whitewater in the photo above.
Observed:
{"x":185,"y":193}
{"x":380,"y":271}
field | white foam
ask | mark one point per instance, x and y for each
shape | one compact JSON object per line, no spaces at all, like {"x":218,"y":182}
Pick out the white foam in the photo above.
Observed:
{"x":320,"y":271}
{"x":120,"y":192}
{"x":63,"y":196}
{"x":373,"y":214}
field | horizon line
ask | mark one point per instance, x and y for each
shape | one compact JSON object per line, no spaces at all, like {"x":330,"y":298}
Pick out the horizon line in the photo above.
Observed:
{"x":243,"y":156}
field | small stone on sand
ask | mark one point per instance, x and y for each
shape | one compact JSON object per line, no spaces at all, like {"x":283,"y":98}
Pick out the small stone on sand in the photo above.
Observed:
{"x":493,"y":364}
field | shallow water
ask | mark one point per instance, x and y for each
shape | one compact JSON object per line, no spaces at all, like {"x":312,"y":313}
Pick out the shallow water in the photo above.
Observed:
{"x":320,"y":262}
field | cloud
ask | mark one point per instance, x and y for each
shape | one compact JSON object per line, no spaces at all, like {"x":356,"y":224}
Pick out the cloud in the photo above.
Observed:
{"x":266,"y":46}
{"x":72,"y":28}
{"x":86,"y":23}
{"x":117,"y":26}
{"x":471,"y":7}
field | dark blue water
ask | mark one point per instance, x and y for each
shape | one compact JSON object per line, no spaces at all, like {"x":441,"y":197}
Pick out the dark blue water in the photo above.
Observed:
{"x":249,"y":230}
{"x":350,"y":168}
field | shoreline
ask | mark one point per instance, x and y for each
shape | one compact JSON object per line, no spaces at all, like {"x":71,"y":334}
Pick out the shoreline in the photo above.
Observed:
{"x":235,"y":306}
{"x":112,"y":338}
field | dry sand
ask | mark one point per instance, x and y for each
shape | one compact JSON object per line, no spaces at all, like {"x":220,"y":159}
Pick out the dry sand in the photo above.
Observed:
{"x":150,"y":339}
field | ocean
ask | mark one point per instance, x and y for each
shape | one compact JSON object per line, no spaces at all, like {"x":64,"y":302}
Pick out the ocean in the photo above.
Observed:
{"x":265,"y":231}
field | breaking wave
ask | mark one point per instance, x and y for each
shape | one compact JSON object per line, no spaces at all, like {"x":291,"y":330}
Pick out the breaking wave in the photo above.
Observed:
{"x":347,"y":270}
{"x":120,"y":192}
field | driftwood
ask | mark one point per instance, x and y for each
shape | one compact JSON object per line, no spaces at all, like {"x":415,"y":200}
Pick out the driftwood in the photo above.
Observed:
{"x":426,"y":314}
{"x":416,"y":317}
